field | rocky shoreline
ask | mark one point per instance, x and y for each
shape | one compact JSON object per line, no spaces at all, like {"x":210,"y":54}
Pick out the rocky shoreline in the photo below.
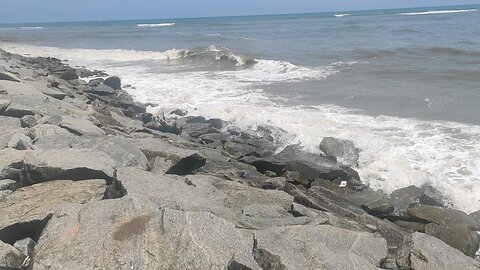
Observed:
{"x":90,"y":180}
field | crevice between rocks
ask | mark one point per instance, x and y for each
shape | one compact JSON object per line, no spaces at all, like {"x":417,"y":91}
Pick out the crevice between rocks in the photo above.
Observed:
{"x":265,"y":259}
{"x":18,"y":231}
{"x":187,"y":165}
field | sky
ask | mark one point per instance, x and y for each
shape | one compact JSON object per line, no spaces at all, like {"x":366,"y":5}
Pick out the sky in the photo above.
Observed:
{"x":26,"y":11}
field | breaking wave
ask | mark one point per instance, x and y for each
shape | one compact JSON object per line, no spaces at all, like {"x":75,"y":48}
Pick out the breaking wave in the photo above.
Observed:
{"x":342,"y":15}
{"x":155,"y":24}
{"x":435,"y":12}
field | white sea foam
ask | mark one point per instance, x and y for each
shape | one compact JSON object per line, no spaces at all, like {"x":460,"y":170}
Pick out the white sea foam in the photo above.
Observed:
{"x":155,"y":24}
{"x":396,"y":152}
{"x":434,"y":12}
{"x":31,"y":27}
{"x":342,"y":15}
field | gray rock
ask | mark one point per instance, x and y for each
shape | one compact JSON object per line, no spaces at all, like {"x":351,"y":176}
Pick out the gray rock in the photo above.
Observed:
{"x":318,"y":247}
{"x":344,"y":150}
{"x":10,"y":257}
{"x":20,"y":142}
{"x":18,"y":110}
{"x":476,"y":216}
{"x":114,"y":82}
{"x":122,"y":150}
{"x":77,"y":126}
{"x":423,"y":252}
{"x":274,"y":183}
{"x":412,"y":226}
{"x":196,"y":130}
{"x":456,"y":236}
{"x":164,"y":157}
{"x":4,"y":104}
{"x":6,"y":77}
{"x":95,"y":82}
{"x":431,"y":196}
{"x":103,"y":89}
{"x":68,"y":164}
{"x":215,"y":123}
{"x":69,"y":74}
{"x":239,"y":150}
{"x":265,"y":164}
{"x":26,"y":246}
{"x":444,"y":216}
{"x":179,"y":112}
{"x":8,"y":184}
{"x":53,"y":93}
{"x":265,"y":211}
{"x":28,"y":121}
{"x":405,"y":198}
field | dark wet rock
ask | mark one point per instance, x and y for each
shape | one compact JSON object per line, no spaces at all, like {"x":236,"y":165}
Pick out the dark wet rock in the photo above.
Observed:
{"x":103,"y":89}
{"x":25,"y":246}
{"x":343,"y":150}
{"x":442,"y":216}
{"x":28,"y":121}
{"x":264,"y":147}
{"x":69,"y":74}
{"x":423,"y":252}
{"x":69,"y":164}
{"x":381,"y":207}
{"x":10,"y":257}
{"x":412,"y":226}
{"x":198,"y":129}
{"x":296,"y":152}
{"x":95,"y":82}
{"x":179,"y":112}
{"x":405,"y":198}
{"x":240,"y":150}
{"x":431,"y":196}
{"x":196,"y":119}
{"x":265,"y":165}
{"x":114,"y":82}
{"x":6,"y":77}
{"x":215,"y":123}
{"x":456,"y":236}
{"x":476,"y":216}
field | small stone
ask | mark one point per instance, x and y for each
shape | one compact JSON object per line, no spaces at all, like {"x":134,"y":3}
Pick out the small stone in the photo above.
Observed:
{"x":28,"y":121}
{"x":25,"y":246}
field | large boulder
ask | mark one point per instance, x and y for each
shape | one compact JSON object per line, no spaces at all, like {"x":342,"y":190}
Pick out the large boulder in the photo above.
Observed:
{"x":423,"y":252}
{"x":68,"y":164}
{"x":164,"y":157}
{"x":344,"y":150}
{"x":442,"y":216}
{"x":10,"y":257}
{"x":114,"y":82}
{"x":318,"y":247}
{"x":456,"y":236}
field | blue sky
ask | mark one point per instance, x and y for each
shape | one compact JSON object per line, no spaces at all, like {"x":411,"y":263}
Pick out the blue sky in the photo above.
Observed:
{"x":91,"y":10}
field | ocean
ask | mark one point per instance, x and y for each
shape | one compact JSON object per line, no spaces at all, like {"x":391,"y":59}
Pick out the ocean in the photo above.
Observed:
{"x":403,"y":84}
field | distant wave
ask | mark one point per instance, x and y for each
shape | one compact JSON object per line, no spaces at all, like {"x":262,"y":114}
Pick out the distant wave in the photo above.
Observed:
{"x":31,"y":27}
{"x":341,"y":15}
{"x":155,"y":24}
{"x":434,"y":12}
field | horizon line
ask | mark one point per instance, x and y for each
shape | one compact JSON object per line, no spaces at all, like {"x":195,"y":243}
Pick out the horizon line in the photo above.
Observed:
{"x":234,"y":16}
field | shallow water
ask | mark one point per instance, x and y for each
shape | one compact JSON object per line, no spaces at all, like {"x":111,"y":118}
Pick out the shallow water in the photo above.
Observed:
{"x":404,"y":85}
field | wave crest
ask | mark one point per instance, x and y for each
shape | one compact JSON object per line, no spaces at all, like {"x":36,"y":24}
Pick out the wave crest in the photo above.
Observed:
{"x":436,"y":12}
{"x":155,"y":24}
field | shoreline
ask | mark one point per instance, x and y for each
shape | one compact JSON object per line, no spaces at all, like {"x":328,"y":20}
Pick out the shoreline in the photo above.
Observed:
{"x":90,"y":150}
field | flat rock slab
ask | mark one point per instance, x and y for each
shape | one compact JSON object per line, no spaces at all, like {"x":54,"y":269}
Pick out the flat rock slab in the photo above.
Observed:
{"x":444,"y":216}
{"x":77,"y":126}
{"x":318,"y":247}
{"x":29,"y":202}
{"x":69,"y":164}
{"x":423,"y":252}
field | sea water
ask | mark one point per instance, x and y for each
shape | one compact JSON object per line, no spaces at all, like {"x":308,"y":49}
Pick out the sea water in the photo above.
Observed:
{"x":403,"y":85}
